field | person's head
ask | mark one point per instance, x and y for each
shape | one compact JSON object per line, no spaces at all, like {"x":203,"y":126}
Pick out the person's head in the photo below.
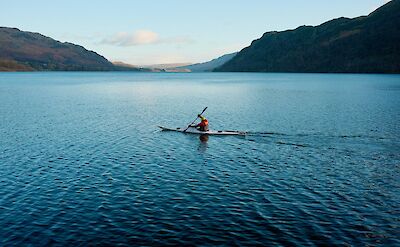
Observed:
{"x":199,"y":115}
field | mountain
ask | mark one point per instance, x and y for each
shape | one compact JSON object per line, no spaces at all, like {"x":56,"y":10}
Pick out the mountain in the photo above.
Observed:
{"x":27,"y":51}
{"x":165,"y":65}
{"x":210,"y":65}
{"x":10,"y":65}
{"x":121,"y":66}
{"x":368,"y":44}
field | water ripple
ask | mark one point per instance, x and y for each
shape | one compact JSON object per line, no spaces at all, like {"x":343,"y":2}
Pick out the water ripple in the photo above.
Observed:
{"x":82,"y":163}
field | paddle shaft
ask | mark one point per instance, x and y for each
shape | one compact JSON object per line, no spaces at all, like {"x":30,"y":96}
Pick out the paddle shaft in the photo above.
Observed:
{"x":196,"y":118}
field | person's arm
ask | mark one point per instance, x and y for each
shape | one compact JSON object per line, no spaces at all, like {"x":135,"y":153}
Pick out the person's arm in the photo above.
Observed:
{"x":193,"y":126}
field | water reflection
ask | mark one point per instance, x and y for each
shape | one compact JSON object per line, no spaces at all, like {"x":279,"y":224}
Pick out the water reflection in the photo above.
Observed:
{"x":203,"y":138}
{"x":203,"y":143}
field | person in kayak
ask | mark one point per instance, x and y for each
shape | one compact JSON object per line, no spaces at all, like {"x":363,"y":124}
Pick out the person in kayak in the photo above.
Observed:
{"x":203,"y":125}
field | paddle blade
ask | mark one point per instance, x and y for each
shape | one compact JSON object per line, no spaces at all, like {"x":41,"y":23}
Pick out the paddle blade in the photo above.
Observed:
{"x":204,"y":110}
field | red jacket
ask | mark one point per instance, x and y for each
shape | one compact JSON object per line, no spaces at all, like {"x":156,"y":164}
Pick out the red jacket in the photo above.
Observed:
{"x":203,"y":123}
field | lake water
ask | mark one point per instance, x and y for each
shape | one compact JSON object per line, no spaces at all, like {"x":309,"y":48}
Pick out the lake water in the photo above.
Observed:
{"x":82,"y":161}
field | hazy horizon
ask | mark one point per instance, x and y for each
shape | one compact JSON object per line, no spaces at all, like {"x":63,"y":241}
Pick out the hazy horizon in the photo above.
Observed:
{"x":145,"y":33}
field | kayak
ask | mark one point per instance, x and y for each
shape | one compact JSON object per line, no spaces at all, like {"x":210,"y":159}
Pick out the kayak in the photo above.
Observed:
{"x":209,"y":132}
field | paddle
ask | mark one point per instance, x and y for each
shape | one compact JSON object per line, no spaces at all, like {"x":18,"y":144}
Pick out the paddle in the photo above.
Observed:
{"x":195,"y":119}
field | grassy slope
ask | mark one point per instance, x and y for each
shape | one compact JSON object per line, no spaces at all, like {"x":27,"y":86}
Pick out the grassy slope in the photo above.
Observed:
{"x":32,"y":51}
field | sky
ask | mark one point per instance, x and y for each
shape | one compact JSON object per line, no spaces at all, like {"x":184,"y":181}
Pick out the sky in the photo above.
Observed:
{"x":144,"y":32}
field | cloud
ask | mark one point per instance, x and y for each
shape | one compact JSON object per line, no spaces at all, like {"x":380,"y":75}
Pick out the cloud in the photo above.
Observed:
{"x":142,"y":37}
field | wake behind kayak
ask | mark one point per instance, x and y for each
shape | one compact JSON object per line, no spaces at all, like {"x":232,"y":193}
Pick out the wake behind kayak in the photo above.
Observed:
{"x":208,"y":132}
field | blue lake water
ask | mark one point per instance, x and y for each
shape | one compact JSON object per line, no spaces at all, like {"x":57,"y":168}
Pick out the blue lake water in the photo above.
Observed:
{"x":82,"y":161}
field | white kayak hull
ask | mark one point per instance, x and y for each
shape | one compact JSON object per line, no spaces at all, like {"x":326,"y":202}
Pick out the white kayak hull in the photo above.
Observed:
{"x":209,"y":132}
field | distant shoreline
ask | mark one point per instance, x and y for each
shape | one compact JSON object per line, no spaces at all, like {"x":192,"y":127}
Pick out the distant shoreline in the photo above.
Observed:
{"x":208,"y":72}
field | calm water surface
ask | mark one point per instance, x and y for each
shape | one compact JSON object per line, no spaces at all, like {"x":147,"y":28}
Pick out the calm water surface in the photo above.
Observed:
{"x":83,"y":163}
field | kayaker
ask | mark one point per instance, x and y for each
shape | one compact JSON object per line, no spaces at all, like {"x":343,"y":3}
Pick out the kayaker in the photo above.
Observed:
{"x":203,"y":125}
